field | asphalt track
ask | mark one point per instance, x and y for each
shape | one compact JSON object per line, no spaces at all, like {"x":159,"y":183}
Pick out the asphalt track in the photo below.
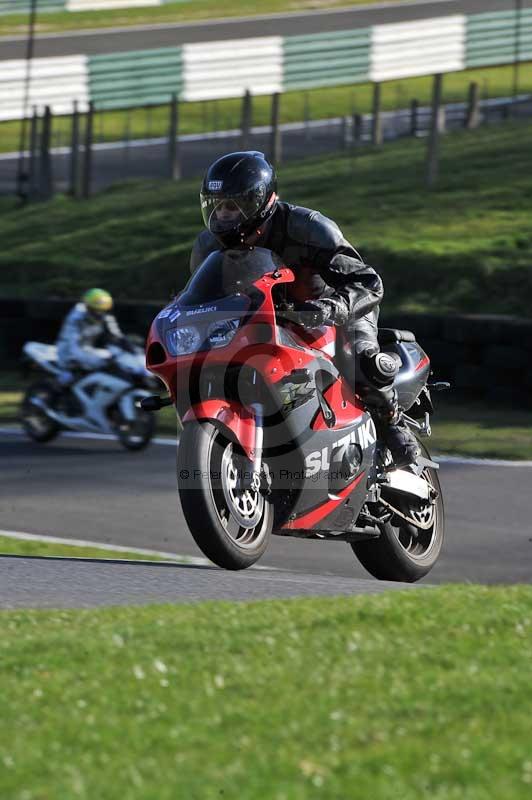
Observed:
{"x":173,"y":35}
{"x":84,"y":489}
{"x":68,"y":583}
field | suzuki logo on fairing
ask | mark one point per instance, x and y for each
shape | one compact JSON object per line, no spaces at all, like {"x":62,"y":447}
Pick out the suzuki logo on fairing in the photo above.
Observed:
{"x":201,"y":310}
{"x":365,"y":435}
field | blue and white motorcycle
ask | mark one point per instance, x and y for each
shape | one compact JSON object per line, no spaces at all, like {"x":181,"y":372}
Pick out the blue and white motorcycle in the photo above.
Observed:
{"x":104,"y":401}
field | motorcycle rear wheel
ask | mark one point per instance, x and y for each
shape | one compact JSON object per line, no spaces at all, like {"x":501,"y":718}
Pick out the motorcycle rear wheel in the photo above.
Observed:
{"x":230,"y":522}
{"x":35,"y":422}
{"x":403,"y":552}
{"x":138,"y":433}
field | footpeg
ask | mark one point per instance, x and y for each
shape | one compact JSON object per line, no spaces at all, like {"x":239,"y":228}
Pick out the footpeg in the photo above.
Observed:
{"x":154,"y":402}
{"x":439,"y":386}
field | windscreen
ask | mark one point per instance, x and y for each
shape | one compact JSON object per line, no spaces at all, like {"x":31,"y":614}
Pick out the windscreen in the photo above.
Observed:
{"x":228,"y":272}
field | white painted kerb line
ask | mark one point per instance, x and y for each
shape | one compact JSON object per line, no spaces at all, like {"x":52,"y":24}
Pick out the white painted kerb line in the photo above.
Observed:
{"x":196,"y":561}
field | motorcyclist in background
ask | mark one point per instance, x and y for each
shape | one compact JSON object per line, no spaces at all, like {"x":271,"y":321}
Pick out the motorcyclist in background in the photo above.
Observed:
{"x":87,"y":330}
{"x":240,"y":208}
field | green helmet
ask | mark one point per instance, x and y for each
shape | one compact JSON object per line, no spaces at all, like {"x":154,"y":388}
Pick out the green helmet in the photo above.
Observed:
{"x":98,"y":300}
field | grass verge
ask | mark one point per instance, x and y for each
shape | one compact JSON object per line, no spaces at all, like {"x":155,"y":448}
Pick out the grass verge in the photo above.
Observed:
{"x":479,"y":430}
{"x":150,"y":122}
{"x":458,"y":428}
{"x":32,"y":547}
{"x":400,"y":695}
{"x":475,"y":430}
{"x":184,"y":11}
{"x":465,"y":246}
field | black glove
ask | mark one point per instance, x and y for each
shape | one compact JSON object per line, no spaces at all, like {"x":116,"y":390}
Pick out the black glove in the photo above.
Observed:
{"x":313,"y":313}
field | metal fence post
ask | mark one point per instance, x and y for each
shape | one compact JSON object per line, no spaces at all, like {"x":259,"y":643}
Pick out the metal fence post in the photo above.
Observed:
{"x":414,"y":117}
{"x":74,"y":152}
{"x":358,"y":127}
{"x":517,"y":46}
{"x":347,"y":132}
{"x":87,"y":164}
{"x":246,"y":120}
{"x":306,"y":116}
{"x":46,"y":184}
{"x":148,"y":118}
{"x":435,"y":130}
{"x":173,"y":141}
{"x":472,"y":119}
{"x":127,"y":140}
{"x":276,"y":145}
{"x":34,"y":145}
{"x":376,"y":130}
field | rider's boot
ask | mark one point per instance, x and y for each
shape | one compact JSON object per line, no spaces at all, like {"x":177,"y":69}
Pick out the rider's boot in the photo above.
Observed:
{"x":394,"y":431}
{"x":375,"y":375}
{"x":379,"y":394}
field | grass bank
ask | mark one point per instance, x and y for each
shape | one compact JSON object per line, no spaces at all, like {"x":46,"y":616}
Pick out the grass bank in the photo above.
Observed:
{"x":466,"y":246}
{"x":413,"y":695}
{"x":145,"y":123}
{"x":184,"y":11}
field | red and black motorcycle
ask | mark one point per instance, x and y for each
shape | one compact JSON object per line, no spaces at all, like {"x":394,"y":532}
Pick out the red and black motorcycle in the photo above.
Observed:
{"x":274,"y":440}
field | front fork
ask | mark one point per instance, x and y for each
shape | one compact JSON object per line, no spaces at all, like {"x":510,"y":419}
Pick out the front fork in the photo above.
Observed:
{"x":259,"y":438}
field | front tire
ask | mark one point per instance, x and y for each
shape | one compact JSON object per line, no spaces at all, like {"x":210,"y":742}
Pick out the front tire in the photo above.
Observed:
{"x":403,"y":552}
{"x":231,"y":522}
{"x":34,"y":420}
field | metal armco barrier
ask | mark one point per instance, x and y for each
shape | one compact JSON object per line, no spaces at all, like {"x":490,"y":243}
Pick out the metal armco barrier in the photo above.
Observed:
{"x":498,"y":38}
{"x":408,"y":49}
{"x":126,"y":80}
{"x":23,"y":6}
{"x":55,"y":82}
{"x":266,"y":65}
{"x":45,"y":6}
{"x":326,"y":59}
{"x":227,"y":69}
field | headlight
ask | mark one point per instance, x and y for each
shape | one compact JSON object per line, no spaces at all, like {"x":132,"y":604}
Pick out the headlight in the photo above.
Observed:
{"x":220,"y":334}
{"x":182,"y":341}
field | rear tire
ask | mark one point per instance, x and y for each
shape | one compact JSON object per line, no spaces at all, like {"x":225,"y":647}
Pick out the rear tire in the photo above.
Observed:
{"x":403,"y":552}
{"x":35,"y":422}
{"x":136,"y":435}
{"x":231,"y":524}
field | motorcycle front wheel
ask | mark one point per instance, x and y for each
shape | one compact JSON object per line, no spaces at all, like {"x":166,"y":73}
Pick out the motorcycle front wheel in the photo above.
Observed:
{"x":231,"y":520}
{"x":404,"y":552}
{"x":36,"y":423}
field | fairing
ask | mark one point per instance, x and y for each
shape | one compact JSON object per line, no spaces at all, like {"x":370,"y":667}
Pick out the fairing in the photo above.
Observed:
{"x":319,"y":442}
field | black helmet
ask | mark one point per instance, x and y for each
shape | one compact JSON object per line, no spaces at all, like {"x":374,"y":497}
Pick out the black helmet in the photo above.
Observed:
{"x":238,"y":195}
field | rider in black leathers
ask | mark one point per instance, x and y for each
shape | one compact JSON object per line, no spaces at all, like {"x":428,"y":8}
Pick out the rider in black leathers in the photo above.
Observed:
{"x":333,"y":284}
